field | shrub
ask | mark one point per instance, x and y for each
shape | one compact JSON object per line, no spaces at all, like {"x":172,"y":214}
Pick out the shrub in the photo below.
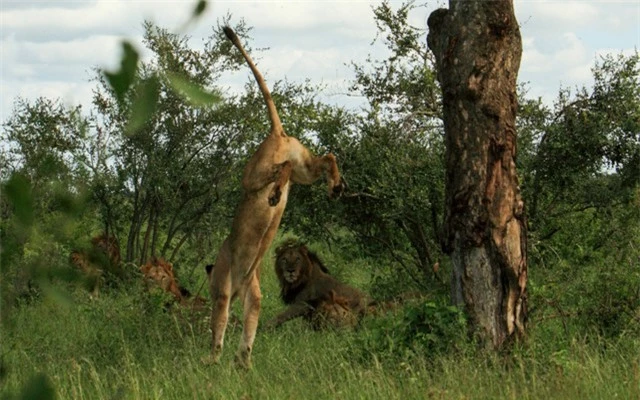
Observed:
{"x":418,"y":329}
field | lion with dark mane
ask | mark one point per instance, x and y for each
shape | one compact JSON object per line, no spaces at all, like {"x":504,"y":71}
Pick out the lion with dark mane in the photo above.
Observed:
{"x":312,"y":293}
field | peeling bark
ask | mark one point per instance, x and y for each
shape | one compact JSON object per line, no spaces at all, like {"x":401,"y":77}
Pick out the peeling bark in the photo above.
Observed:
{"x":477,"y":46}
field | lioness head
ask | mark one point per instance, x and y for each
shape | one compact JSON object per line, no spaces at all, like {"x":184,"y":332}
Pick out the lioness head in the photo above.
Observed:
{"x":91,"y":274}
{"x":107,"y":245}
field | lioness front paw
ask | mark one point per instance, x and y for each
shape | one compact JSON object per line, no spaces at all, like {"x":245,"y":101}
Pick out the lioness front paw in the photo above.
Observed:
{"x":338,"y":189}
{"x":274,"y":196}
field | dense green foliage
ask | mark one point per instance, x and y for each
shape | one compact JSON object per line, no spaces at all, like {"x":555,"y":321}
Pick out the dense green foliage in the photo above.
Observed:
{"x":156,"y":160}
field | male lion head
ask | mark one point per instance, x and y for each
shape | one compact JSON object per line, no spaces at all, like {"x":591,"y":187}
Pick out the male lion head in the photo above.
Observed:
{"x":295,"y":265}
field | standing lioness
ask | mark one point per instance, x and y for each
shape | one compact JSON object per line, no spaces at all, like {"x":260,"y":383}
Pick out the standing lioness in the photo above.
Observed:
{"x":265,"y":184}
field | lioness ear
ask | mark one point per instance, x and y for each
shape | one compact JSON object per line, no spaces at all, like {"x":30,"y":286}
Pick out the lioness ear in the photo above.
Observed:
{"x":209,"y":268}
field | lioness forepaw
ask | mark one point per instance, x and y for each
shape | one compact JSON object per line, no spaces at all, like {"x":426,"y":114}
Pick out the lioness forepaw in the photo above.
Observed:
{"x":338,"y":189}
{"x":274,"y":196}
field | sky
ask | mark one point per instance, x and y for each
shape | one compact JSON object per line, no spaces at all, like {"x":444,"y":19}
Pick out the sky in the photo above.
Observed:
{"x":49,"y":48}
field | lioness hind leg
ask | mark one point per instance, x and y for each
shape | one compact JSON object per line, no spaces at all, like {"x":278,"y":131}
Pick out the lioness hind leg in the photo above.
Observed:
{"x":251,"y":305}
{"x":220,"y":288}
{"x":219,"y":318}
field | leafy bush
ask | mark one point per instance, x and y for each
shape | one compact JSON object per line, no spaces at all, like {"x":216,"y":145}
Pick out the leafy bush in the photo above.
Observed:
{"x":423,"y":329}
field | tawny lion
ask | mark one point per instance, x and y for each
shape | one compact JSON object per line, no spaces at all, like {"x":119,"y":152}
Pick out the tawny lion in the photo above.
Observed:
{"x":279,"y":160}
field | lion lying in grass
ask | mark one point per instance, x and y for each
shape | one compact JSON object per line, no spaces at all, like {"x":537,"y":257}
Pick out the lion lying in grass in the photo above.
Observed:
{"x":159,"y":272}
{"x":104,"y":254}
{"x":279,"y":160}
{"x":311,"y":293}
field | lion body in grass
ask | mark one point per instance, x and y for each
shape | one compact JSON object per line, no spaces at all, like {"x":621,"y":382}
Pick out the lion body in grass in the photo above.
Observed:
{"x":104,"y":254}
{"x":333,"y":312}
{"x":312,"y":293}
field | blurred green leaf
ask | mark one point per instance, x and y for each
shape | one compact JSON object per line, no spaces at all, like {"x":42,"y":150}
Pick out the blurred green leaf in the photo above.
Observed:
{"x":145,"y":104}
{"x":200,"y":7}
{"x":60,"y":297}
{"x":121,"y":80}
{"x":18,"y":191}
{"x":38,"y":387}
{"x":193,"y":93}
{"x":3,"y":370}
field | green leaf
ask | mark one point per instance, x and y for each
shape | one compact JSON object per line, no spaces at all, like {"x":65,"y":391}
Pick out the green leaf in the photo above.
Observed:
{"x":200,"y":7}
{"x":144,"y":105}
{"x":56,"y":294}
{"x":121,"y":80}
{"x":192,"y":92}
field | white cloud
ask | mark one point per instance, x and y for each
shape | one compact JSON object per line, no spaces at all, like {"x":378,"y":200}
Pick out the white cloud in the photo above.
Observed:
{"x":49,"y":47}
{"x":99,"y":49}
{"x":533,"y":60}
{"x":305,"y":16}
{"x":573,"y":49}
{"x":561,"y":40}
{"x":71,"y":93}
{"x":573,"y":13}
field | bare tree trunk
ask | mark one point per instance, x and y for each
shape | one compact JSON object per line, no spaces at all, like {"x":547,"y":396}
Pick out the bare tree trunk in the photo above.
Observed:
{"x":156,"y":228}
{"x":178,"y":246}
{"x":147,"y":235}
{"x":131,"y":237}
{"x":477,"y":46}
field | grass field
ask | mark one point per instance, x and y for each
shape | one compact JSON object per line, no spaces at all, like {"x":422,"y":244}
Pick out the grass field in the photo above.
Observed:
{"x":125,"y":345}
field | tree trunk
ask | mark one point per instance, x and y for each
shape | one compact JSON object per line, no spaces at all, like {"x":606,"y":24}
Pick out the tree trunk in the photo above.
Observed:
{"x":147,"y":236}
{"x":477,"y":46}
{"x":156,"y":230}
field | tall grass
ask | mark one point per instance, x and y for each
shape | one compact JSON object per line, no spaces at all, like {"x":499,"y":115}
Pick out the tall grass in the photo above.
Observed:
{"x":126,"y":345}
{"x":119,"y":347}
